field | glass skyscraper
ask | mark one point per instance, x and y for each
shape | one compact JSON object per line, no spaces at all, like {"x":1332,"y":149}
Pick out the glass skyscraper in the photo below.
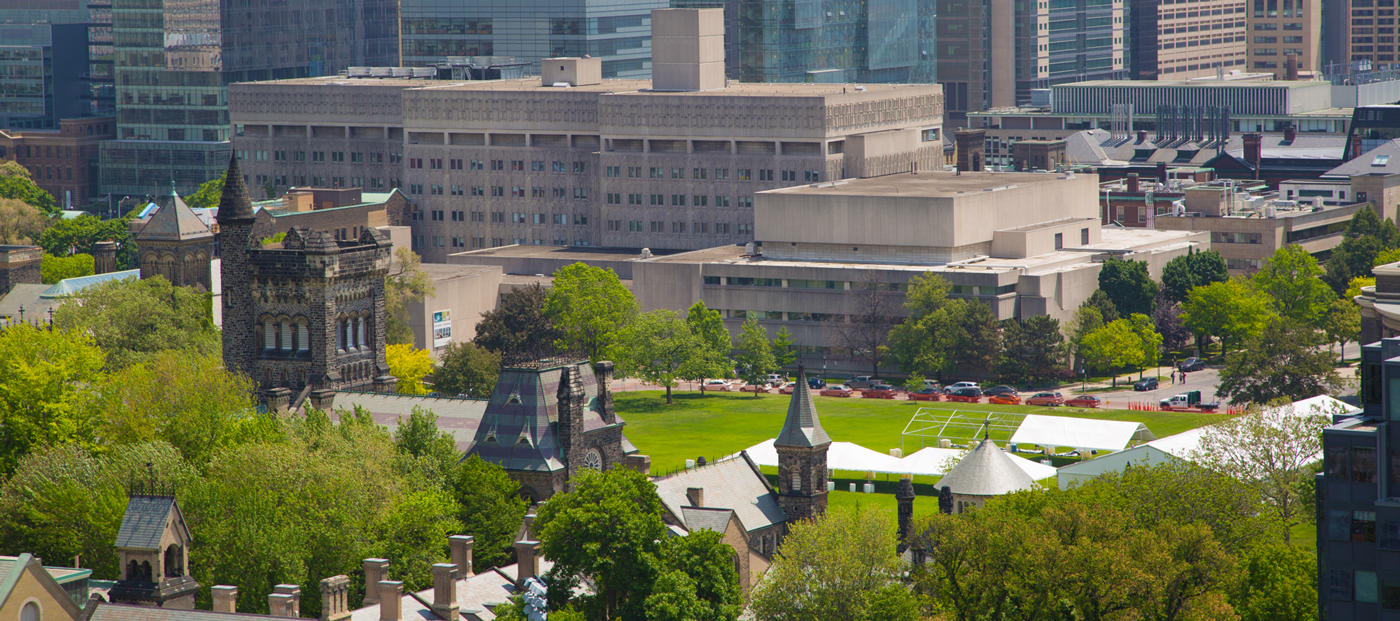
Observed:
{"x":174,"y":60}
{"x":617,"y":32}
{"x":43,"y":58}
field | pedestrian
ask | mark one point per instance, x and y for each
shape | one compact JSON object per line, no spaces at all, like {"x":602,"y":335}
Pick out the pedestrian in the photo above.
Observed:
{"x":1173,"y":377}
{"x":1183,"y":378}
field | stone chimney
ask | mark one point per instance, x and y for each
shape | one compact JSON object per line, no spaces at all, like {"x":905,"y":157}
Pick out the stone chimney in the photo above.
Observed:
{"x":1290,"y":64}
{"x":1290,"y":133}
{"x":280,"y":605}
{"x":1133,"y":182}
{"x":278,"y":399}
{"x":904,"y":498}
{"x":323,"y":399}
{"x":687,"y":49}
{"x":1141,"y":136}
{"x":104,"y":257}
{"x":970,"y":143}
{"x":293,"y":593}
{"x":696,"y":496}
{"x":461,"y":548}
{"x":335,"y":598}
{"x":527,"y":529}
{"x":225,"y":598}
{"x":1355,"y":140}
{"x":445,"y":590}
{"x":1253,"y":146}
{"x":525,"y":561}
{"x":603,"y":372}
{"x":390,"y":600}
{"x":376,"y":570}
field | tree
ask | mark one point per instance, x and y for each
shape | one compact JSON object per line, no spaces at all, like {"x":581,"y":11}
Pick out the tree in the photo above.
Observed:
{"x":1086,"y":319}
{"x":755,"y":358}
{"x":466,"y":369}
{"x":1100,"y":301}
{"x":975,"y":350}
{"x":712,"y":358}
{"x":784,"y":355}
{"x":409,"y":366}
{"x":1128,"y":285}
{"x":68,"y":236}
{"x":1268,"y":450}
{"x":696,"y":582}
{"x":1044,"y":348}
{"x":133,"y":319}
{"x":914,"y":383}
{"x":1355,"y":285}
{"x":1229,"y":310}
{"x":54,"y":269}
{"x":1365,"y":238}
{"x":21,"y":224}
{"x":518,"y":327}
{"x":406,"y":283}
{"x":490,"y":509}
{"x":1285,"y":361}
{"x":1148,"y":340}
{"x":1012,"y":365}
{"x":656,"y":347}
{"x":1279,"y":582}
{"x":866,"y":331}
{"x":433,"y":450}
{"x":1342,"y":323}
{"x":1293,"y":280}
{"x":817,"y":576}
{"x":15,"y":184}
{"x":44,"y":390}
{"x":589,"y":306}
{"x":924,"y":343}
{"x":1197,"y":269}
{"x":1113,"y":346}
{"x":1166,"y":318}
{"x":209,"y":193}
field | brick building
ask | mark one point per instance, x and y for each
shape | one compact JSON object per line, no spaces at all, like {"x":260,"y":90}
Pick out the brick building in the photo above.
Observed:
{"x":62,"y":162}
{"x":19,"y":265}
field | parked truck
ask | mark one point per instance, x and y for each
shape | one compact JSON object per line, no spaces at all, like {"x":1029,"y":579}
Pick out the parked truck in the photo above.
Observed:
{"x":1188,"y":401}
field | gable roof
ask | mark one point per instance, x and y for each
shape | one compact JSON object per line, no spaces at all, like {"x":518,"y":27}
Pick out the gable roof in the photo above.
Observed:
{"x":802,"y":427}
{"x":986,"y":471}
{"x":145,"y":520}
{"x":517,"y":430}
{"x":174,"y":222}
{"x":705,"y":518}
{"x":26,"y":564}
{"x":459,"y":417}
{"x":732,"y":483}
{"x":1382,"y":160}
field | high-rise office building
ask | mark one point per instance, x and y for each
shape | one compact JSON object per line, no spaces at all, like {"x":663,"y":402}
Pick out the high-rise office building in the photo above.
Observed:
{"x":1182,"y":39}
{"x":619,"y":32}
{"x":43,"y":61}
{"x":1279,"y":28}
{"x":101,"y":87}
{"x":992,"y":54}
{"x":1367,"y":32}
{"x":174,"y":61}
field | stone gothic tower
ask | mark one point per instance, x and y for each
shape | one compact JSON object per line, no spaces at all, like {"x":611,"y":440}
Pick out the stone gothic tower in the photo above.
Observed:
{"x":235,"y":232}
{"x":802,"y":449}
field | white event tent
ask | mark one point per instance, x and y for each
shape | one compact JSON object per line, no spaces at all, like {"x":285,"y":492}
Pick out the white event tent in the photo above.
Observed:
{"x":929,"y":461}
{"x":1079,"y":433}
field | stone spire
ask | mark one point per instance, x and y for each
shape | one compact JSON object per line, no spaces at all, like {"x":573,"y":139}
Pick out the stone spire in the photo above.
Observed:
{"x":802,"y":427}
{"x":235,"y":205}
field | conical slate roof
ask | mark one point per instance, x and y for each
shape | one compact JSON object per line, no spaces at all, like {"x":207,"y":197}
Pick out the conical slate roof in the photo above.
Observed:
{"x":235,"y":204}
{"x":802,"y":428}
{"x":986,"y":471}
{"x":174,"y":222}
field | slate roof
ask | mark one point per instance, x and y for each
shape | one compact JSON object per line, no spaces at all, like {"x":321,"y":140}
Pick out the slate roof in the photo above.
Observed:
{"x":1382,"y":160}
{"x":235,"y":204}
{"x":986,"y":471}
{"x":703,"y":518}
{"x":103,"y":611}
{"x":459,"y":417}
{"x":802,"y":427}
{"x":144,"y":522}
{"x":734,"y":483}
{"x":174,"y":222}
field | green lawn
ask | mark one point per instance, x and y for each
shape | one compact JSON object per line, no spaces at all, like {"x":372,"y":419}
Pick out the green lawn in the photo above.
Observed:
{"x":719,"y":424}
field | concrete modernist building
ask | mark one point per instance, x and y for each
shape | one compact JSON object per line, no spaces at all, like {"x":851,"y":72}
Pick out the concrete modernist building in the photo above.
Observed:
{"x":1280,"y":28}
{"x":174,"y":64}
{"x":1186,"y":39}
{"x":571,"y":159}
{"x":62,"y":161}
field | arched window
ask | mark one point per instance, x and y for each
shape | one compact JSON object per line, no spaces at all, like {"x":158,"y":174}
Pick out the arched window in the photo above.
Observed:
{"x":146,"y":571}
{"x":796,"y":481}
{"x":286,"y":335}
{"x":303,"y":338}
{"x":269,"y":335}
{"x":133,"y":570}
{"x":30,"y":612}
{"x":173,"y":566}
{"x":360,"y":326}
{"x":340,"y":335}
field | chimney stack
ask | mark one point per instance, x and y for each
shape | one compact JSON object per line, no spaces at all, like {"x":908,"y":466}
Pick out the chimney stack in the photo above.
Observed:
{"x":461,"y":547}
{"x":376,"y":569}
{"x":225,"y":598}
{"x":335,"y":598}
{"x":1133,"y":182}
{"x":687,"y":49}
{"x":104,"y":255}
{"x":1161,"y":172}
{"x":1253,"y":145}
{"x":280,"y":605}
{"x":904,"y":499}
{"x":1290,"y":133}
{"x":528,"y":526}
{"x":292,"y":595}
{"x":1290,"y":63}
{"x":390,"y":600}
{"x":603,"y":372}
{"x":696,"y":496}
{"x":970,"y":144}
{"x":1141,"y":136}
{"x":525,"y":561}
{"x":445,"y":590}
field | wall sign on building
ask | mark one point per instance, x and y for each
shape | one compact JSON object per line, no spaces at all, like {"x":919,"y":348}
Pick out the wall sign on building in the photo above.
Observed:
{"x":442,"y":328}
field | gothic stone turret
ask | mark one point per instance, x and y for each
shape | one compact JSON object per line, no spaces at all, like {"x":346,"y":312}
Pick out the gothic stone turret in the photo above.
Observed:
{"x":153,"y":549}
{"x":802,"y":448}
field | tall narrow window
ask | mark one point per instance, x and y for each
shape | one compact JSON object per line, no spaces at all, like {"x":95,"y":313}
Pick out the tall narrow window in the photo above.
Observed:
{"x":360,"y":338}
{"x":340,"y":336}
{"x":287,"y":336}
{"x":269,"y":335}
{"x":796,"y":481}
{"x":302,"y":337}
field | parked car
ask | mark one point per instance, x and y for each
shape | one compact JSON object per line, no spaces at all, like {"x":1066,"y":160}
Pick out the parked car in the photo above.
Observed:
{"x":861,"y":381}
{"x":764,"y":387}
{"x":716,"y":384}
{"x":928,"y":383}
{"x":1191,"y":364}
{"x":815,"y":383}
{"x":777,"y":379}
{"x":879,"y":391}
{"x":1046,"y":398}
{"x":1084,"y":401}
{"x":971,"y":394}
{"x":1005,"y":399}
{"x":1148,"y":383}
{"x":925,"y":394}
{"x":999,"y":390}
{"x":840,"y":390}
{"x":961,"y":385}
{"x":788,"y":389}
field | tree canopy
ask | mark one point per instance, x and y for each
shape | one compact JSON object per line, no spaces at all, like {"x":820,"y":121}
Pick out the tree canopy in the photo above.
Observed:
{"x":1285,"y":360}
{"x":466,"y":369}
{"x":54,"y":269}
{"x":15,"y":183}
{"x":657,"y":347}
{"x":209,"y":193}
{"x":69,"y":236}
{"x":754,"y":359}
{"x":21,"y":224}
{"x":589,"y":306}
{"x":133,"y":319}
{"x":1230,"y":310}
{"x":1292,"y":279}
{"x":1128,"y":285}
{"x":518,"y":325}
{"x":406,"y":283}
{"x":714,"y":347}
{"x":409,"y":365}
{"x":1197,"y":269}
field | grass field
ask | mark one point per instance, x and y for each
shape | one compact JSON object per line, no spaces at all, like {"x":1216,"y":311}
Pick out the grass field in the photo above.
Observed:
{"x":720,"y":424}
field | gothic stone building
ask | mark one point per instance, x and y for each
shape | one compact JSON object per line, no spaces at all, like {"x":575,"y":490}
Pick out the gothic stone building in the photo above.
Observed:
{"x":547,"y":420}
{"x":305,"y":317}
{"x":176,"y":244}
{"x":153,"y":546}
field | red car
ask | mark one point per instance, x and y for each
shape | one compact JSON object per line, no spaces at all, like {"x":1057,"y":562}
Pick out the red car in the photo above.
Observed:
{"x":927,"y":394}
{"x":1004,"y":399}
{"x":837,"y":391}
{"x":1046,"y":398}
{"x":1084,"y":401}
{"x":878,"y":391}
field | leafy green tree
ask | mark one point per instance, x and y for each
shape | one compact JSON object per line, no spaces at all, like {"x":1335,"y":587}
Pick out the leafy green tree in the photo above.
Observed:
{"x":69,"y":236}
{"x":977,"y":340}
{"x":409,"y":366}
{"x":1354,"y":287}
{"x":696,"y":581}
{"x":712,"y":358}
{"x":1197,"y":269}
{"x":1279,"y":582}
{"x":16,"y":184}
{"x":914,"y":383}
{"x":45,"y":389}
{"x":590,"y":307}
{"x":1128,"y":284}
{"x":1292,"y":279}
{"x":1044,"y":348}
{"x":434,"y":451}
{"x":1114,"y":346}
{"x":784,"y":355}
{"x":1086,"y":319}
{"x":405,"y":284}
{"x":519,"y":324}
{"x":924,"y":343}
{"x":54,"y":269}
{"x":1166,"y":318}
{"x":490,"y":509}
{"x":656,"y":347}
{"x":1285,"y":360}
{"x":1342,"y":323}
{"x":816,"y":576}
{"x":209,"y":193}
{"x":1365,"y":238}
{"x":1148,"y":340}
{"x":133,"y":319}
{"x":755,"y":358}
{"x":413,"y":531}
{"x":1100,"y":301}
{"x":467,"y":369}
{"x":21,"y":224}
{"x":1012,"y":365}
{"x":1230,"y":310}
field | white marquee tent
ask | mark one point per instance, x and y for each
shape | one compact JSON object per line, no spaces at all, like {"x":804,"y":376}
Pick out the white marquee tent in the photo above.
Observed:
{"x":929,"y":461}
{"x":1080,"y":433}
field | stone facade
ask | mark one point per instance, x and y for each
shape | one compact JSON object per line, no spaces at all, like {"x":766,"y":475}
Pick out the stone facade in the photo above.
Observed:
{"x":802,"y":481}
{"x":19,"y":265}
{"x":176,"y":245}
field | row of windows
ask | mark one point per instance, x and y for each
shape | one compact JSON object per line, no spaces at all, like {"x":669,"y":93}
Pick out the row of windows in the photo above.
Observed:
{"x":702,"y":174}
{"x":441,"y":241}
{"x":677,"y":227}
{"x":1364,"y":587}
{"x":1275,"y":26}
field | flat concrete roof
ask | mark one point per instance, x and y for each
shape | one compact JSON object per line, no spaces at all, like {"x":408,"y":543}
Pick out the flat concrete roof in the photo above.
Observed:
{"x":1241,"y":82}
{"x":930,"y":184}
{"x":615,"y":86}
{"x":447,"y":271}
{"x":576,"y":253}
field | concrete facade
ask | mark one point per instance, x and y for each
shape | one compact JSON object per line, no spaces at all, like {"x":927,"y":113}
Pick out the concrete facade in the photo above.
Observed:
{"x":464,"y":292}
